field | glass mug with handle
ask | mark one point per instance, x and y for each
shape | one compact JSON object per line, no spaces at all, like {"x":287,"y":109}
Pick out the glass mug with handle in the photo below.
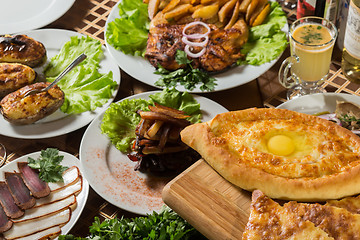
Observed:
{"x":311,"y":44}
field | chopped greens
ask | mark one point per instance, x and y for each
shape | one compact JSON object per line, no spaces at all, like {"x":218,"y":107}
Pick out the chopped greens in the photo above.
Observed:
{"x":156,"y":226}
{"x":84,"y":87}
{"x":188,"y":76}
{"x":349,"y":119}
{"x":48,"y":164}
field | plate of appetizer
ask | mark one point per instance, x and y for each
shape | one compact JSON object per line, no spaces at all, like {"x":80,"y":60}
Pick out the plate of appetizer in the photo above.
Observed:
{"x":57,"y":205}
{"x":88,"y":89}
{"x":130,"y":170}
{"x":133,"y":48}
{"x":319,"y":103}
{"x":23,"y":15}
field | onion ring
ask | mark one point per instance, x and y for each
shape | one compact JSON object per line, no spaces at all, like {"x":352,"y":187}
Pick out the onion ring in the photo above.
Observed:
{"x":193,"y":55}
{"x":195,"y":44}
{"x":196,"y":35}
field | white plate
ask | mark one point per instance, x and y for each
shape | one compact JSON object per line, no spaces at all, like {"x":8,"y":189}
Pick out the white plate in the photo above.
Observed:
{"x":140,"y":69}
{"x":23,"y":15}
{"x":69,"y":161}
{"x":58,"y":123}
{"x":111,"y":174}
{"x":320,"y":102}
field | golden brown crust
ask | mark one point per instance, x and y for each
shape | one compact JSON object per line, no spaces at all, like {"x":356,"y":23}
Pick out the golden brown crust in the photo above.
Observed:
{"x":18,"y":109}
{"x":233,"y":144}
{"x":268,"y":220}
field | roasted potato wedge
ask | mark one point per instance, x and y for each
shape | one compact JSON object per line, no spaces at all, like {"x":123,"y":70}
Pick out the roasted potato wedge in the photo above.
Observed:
{"x":244,"y":6}
{"x":251,"y":8}
{"x":22,"y":49}
{"x":172,"y":4}
{"x":261,"y":16}
{"x":153,"y":8}
{"x":260,"y":6}
{"x":21,"y":110}
{"x":205,"y":12}
{"x":178,"y":11}
{"x":14,"y":76}
{"x":226,"y":9}
{"x":234,"y":16}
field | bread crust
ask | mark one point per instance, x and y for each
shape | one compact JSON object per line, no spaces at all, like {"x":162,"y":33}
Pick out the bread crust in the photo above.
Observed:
{"x":275,"y":182}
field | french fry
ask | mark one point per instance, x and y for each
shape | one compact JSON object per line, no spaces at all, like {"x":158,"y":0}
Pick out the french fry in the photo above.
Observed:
{"x":163,"y":4}
{"x":205,"y":12}
{"x":251,"y":8}
{"x":194,"y":2}
{"x":178,"y":11}
{"x":234,"y":16}
{"x":146,"y":1}
{"x":261,"y":17}
{"x":244,"y":5}
{"x":224,"y":11}
{"x":172,"y":4}
{"x":153,"y":8}
{"x":206,"y":2}
{"x":260,"y":6}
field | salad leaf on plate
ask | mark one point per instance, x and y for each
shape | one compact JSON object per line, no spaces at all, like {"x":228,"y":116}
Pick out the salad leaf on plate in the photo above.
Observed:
{"x":84,"y":87}
{"x":129,"y":33}
{"x":120,"y":119}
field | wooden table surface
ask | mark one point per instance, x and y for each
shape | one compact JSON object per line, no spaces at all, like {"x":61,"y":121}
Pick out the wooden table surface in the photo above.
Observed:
{"x":89,"y":17}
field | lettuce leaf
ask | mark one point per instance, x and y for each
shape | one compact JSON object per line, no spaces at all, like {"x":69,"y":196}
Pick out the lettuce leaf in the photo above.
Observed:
{"x":120,"y":119}
{"x":266,"y":41}
{"x":84,"y":87}
{"x":129,"y":33}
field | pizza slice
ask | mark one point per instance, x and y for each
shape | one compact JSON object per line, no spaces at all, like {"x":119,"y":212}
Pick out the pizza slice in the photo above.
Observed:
{"x":269,"y":220}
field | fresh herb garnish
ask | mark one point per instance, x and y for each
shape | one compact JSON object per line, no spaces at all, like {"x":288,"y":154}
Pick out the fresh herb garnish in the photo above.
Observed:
{"x":164,"y":225}
{"x":188,"y":76}
{"x":48,"y":165}
{"x":348,"y":118}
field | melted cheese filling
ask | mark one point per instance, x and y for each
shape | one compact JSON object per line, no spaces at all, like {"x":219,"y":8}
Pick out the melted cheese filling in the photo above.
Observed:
{"x":288,"y":147}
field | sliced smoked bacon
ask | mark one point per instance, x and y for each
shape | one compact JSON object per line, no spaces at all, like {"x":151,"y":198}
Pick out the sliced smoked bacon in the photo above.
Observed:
{"x":8,"y":203}
{"x":38,"y":187}
{"x":5,"y":222}
{"x":19,"y":191}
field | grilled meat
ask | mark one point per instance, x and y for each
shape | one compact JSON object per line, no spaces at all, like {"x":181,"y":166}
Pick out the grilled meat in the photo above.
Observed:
{"x":14,"y":76}
{"x":19,"y":191}
{"x":18,"y":109}
{"x":31,"y":178}
{"x":22,"y":49}
{"x":8,"y":203}
{"x":222,"y":50}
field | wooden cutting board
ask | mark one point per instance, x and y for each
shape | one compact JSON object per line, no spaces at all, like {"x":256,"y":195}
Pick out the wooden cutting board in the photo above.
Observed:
{"x":215,"y":207}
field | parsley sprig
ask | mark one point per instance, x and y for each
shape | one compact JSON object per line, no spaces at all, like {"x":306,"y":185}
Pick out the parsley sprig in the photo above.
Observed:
{"x":349,"y":119}
{"x":188,"y":76}
{"x":48,"y":164}
{"x":156,"y":226}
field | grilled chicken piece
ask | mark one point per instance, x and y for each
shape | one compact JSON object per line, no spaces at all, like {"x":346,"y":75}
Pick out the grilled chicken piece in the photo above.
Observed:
{"x":14,"y":76}
{"x":18,"y":109}
{"x":22,"y":49}
{"x":222,"y":50}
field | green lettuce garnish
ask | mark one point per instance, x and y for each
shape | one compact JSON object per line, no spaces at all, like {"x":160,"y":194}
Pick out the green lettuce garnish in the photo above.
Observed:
{"x":266,"y":41}
{"x":129,"y":32}
{"x":84,"y":87}
{"x":120,"y":119}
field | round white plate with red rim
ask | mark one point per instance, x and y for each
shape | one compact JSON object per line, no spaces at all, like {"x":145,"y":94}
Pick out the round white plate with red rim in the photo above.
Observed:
{"x":111,"y":174}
